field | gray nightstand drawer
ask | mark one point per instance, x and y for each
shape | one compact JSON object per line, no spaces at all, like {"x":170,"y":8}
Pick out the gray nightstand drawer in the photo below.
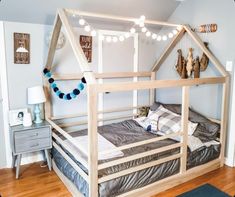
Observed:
{"x":23,"y":136}
{"x":33,"y":145}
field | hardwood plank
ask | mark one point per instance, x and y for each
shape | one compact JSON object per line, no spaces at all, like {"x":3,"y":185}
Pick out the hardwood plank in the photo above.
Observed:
{"x":34,"y":178}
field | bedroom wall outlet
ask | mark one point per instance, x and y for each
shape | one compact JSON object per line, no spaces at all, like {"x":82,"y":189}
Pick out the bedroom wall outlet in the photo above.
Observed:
{"x":229,"y":66}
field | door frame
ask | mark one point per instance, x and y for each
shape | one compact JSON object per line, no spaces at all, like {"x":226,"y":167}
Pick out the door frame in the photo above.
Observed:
{"x":5,"y":101}
{"x":100,"y":65}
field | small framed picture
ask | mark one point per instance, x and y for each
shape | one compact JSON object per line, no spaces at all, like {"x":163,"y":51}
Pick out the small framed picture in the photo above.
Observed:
{"x":16,"y":116}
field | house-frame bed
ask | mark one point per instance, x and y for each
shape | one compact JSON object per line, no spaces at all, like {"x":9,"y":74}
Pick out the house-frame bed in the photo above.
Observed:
{"x":94,"y":88}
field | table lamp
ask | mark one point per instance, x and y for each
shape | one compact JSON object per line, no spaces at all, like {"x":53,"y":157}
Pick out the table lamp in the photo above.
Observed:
{"x":36,"y":96}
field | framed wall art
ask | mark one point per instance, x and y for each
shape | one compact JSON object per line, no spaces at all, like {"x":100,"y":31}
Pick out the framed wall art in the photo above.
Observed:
{"x":21,"y":48}
{"x":86,"y":44}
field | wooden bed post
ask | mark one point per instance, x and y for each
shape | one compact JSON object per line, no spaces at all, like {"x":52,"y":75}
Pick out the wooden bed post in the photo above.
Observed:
{"x":92,"y":105}
{"x":152,"y":93}
{"x":50,"y":57}
{"x":184,"y":127}
{"x":224,"y":119}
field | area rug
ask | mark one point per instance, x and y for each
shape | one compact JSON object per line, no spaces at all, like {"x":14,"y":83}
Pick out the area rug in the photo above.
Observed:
{"x":206,"y":190}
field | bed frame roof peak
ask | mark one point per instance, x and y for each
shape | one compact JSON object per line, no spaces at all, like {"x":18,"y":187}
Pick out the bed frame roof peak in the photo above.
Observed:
{"x":62,"y":19}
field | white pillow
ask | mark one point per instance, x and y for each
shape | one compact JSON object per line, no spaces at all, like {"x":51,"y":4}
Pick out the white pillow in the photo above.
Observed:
{"x":169,"y":122}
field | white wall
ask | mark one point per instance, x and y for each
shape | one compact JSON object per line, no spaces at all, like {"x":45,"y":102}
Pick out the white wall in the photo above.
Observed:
{"x":222,"y":43}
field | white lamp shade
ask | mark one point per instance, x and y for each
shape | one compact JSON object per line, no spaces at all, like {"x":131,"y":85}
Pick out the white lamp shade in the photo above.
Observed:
{"x":36,"y":95}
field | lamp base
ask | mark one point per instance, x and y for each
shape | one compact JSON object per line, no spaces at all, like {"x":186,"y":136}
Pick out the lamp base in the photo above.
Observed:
{"x":37,"y":113}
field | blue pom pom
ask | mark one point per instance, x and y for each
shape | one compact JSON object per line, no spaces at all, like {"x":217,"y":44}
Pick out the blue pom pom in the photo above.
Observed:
{"x":58,"y":93}
{"x":80,"y":86}
{"x":65,"y":97}
{"x":72,"y":95}
{"x":53,"y":85}
{"x":48,"y":74}
{"x":148,"y":128}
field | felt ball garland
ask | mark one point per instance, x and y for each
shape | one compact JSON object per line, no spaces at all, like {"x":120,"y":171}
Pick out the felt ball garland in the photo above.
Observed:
{"x":61,"y":95}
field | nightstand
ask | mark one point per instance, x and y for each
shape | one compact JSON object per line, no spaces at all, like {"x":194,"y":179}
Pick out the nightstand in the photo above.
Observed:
{"x":30,"y":139}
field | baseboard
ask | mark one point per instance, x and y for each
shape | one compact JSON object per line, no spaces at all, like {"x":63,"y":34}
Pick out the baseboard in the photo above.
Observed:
{"x":229,"y":162}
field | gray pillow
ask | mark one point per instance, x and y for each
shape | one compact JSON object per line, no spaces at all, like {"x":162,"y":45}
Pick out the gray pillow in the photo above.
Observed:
{"x":206,"y":129}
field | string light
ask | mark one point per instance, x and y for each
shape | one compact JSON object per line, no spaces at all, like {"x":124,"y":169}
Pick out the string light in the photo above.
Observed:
{"x":144,"y":29}
{"x":87,"y":28}
{"x":170,"y":35}
{"x":174,"y":31}
{"x":140,"y":22}
{"x":148,"y":33}
{"x":121,"y":38}
{"x":164,"y":38}
{"x":154,"y":36}
{"x":127,"y":35}
{"x":142,"y":18}
{"x":81,"y":22}
{"x":132,"y":30}
{"x":159,"y":38}
{"x":115,"y":39}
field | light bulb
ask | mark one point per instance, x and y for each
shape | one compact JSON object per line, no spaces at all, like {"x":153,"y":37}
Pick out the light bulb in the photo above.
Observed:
{"x":93,"y":33}
{"x":127,"y":35}
{"x":115,"y":39}
{"x":142,"y":18}
{"x":175,"y":31}
{"x":137,"y":22}
{"x":179,"y":28}
{"x":154,"y":36}
{"x":159,"y":38}
{"x":101,"y":37}
{"x":144,"y":29}
{"x":132,"y":30}
{"x":81,"y":22}
{"x":170,"y":35}
{"x":121,"y":38}
{"x":141,"y":24}
{"x":148,"y":33}
{"x":74,"y":15}
{"x":164,"y":38}
{"x":108,"y":39}
{"x":87,"y":28}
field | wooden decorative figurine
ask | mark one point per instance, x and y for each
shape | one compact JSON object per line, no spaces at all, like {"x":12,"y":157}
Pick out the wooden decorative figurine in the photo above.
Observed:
{"x":184,"y":70}
{"x":204,"y":61}
{"x":196,"y":68}
{"x":180,"y":61}
{"x":189,"y":66}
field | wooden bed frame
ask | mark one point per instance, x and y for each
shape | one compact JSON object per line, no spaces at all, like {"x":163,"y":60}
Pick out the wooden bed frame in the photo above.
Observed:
{"x":94,"y":88}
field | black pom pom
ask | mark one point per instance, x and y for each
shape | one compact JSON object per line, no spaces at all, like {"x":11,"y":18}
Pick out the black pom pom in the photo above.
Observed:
{"x":83,"y":80}
{"x":68,"y":97}
{"x":76,"y":91}
{"x":56,"y":89}
{"x":51,"y":80}
{"x":61,"y":95}
{"x":45,"y":70}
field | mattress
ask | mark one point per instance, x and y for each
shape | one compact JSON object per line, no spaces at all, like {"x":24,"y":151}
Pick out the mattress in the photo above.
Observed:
{"x":127,"y":132}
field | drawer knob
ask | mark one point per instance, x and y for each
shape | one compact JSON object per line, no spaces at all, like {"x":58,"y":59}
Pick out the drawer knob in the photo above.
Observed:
{"x":36,"y":134}
{"x":34,"y":145}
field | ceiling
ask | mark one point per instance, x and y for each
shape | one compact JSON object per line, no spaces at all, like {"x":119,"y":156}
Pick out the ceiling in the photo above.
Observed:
{"x":43,"y":11}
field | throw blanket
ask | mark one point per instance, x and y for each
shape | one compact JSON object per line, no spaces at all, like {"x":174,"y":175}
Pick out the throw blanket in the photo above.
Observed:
{"x":103,"y":145}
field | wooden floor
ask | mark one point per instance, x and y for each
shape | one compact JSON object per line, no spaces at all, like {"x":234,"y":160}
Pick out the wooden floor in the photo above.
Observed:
{"x":36,"y":181}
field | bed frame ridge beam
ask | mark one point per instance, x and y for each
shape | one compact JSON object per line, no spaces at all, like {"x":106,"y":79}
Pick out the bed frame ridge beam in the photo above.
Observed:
{"x":118,"y":18}
{"x":168,"y":50}
{"x":209,"y":54}
{"x":76,"y":47}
